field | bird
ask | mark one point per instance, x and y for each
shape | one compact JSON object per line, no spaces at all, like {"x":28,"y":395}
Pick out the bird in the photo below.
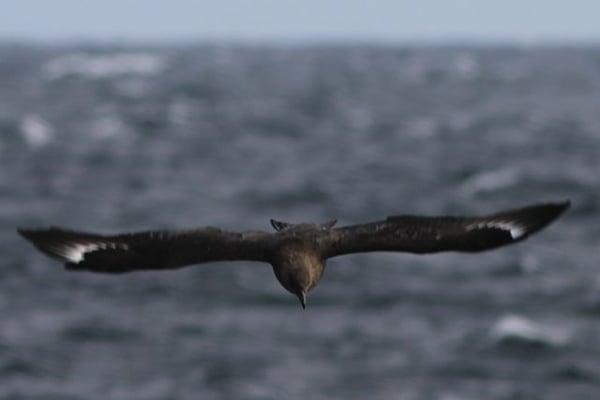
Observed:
{"x":297,"y":252}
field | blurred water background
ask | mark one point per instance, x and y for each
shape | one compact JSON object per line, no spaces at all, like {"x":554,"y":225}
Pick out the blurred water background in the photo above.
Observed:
{"x":110,"y":138}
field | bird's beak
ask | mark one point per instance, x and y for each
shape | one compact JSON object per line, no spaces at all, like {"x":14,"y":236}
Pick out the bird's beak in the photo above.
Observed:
{"x":302,"y":298}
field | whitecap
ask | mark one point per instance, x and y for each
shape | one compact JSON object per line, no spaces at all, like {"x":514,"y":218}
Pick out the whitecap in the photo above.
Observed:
{"x":491,"y":180}
{"x":35,"y":130}
{"x":520,"y":330}
{"x":103,"y":66}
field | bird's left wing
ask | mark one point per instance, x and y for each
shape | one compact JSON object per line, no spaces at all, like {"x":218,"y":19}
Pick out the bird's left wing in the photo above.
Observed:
{"x":151,"y":250}
{"x":416,"y":234}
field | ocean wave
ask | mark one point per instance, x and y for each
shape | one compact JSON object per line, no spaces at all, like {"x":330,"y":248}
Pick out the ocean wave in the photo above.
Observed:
{"x":488,"y":181}
{"x":517,"y":331}
{"x":103,"y":66}
{"x":95,"y":139}
{"x":36,"y":131}
{"x":107,"y":127}
{"x":424,"y":127}
{"x":466,"y":65}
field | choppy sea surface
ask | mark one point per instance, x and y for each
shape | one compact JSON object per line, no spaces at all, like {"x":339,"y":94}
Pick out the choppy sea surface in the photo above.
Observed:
{"x":110,"y":138}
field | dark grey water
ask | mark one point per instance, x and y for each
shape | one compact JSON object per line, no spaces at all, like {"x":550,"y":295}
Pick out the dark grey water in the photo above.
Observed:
{"x":113,"y":139}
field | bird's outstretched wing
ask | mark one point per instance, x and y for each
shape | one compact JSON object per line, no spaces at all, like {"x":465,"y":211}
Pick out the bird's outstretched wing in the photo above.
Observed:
{"x":150,"y":250}
{"x":416,"y":234}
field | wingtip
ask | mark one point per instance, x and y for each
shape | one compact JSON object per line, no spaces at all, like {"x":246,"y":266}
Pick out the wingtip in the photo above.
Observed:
{"x":536,"y":217}
{"x":32,"y":233}
{"x":561,"y":204}
{"x":25,"y":232}
{"x":556,"y":209}
{"x":565,"y":204}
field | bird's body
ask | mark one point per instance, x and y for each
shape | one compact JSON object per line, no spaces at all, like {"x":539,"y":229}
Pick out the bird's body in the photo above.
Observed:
{"x":297,"y":252}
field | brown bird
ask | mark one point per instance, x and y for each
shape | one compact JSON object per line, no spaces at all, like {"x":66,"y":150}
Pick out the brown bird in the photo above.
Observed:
{"x":297,"y":252}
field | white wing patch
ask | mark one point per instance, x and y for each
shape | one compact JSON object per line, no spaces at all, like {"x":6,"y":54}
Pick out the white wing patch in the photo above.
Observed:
{"x":75,"y":252}
{"x":516,"y":230}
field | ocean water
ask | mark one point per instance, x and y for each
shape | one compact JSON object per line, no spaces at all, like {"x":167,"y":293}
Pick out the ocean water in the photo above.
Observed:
{"x":110,"y":138}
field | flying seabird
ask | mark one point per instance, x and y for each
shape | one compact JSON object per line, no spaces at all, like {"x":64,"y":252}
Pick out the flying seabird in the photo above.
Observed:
{"x":297,"y":252}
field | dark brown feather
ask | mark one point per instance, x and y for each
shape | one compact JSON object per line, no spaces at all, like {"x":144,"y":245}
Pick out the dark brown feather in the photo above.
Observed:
{"x":417,"y":234}
{"x":150,"y":250}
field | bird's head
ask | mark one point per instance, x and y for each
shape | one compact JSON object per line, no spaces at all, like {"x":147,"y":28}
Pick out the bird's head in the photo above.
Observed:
{"x":298,"y":269}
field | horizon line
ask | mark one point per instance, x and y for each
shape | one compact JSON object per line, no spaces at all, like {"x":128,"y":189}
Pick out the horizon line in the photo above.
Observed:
{"x":342,"y":41}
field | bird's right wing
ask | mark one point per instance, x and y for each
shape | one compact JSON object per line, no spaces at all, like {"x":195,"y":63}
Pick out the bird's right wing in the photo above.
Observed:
{"x":151,"y":250}
{"x":419,"y":234}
